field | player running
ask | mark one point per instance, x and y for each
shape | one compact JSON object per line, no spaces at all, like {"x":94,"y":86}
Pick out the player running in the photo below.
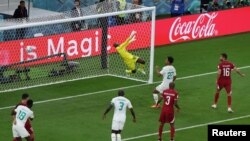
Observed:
{"x":23,"y":113}
{"x":170,"y":97}
{"x":169,"y":75}
{"x":28,"y":127}
{"x":129,"y":59}
{"x":120,"y":103}
{"x":224,"y":80}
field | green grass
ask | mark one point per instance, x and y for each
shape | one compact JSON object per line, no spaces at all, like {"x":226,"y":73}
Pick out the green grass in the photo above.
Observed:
{"x":79,"y":119}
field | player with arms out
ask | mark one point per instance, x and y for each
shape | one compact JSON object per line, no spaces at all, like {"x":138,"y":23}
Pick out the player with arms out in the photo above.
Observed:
{"x":169,"y":75}
{"x":120,"y":103}
{"x":23,"y":113}
{"x":129,"y":59}
{"x":28,"y":127}
{"x":170,"y":97}
{"x":224,"y":80}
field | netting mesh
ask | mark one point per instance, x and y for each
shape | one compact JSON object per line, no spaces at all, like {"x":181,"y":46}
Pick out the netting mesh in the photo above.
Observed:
{"x":40,"y":53}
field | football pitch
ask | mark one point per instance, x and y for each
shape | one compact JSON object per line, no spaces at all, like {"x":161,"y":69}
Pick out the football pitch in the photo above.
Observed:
{"x":73,"y":111}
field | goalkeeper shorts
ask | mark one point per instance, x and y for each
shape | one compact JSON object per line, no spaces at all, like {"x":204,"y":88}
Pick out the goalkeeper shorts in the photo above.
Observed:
{"x":131,"y":63}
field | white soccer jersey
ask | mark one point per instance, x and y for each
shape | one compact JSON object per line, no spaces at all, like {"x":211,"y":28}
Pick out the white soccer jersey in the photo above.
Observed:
{"x":121,"y":104}
{"x":23,"y":113}
{"x":168,"y":73}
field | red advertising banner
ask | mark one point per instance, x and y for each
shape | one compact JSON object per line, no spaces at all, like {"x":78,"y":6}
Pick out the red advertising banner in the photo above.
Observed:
{"x":207,"y":25}
{"x":75,"y":45}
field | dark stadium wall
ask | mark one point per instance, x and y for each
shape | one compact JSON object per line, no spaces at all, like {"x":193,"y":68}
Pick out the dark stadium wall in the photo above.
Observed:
{"x":162,"y":6}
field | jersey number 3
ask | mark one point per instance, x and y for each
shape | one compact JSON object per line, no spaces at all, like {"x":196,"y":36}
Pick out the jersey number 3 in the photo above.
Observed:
{"x":121,"y":106}
{"x":167,"y":100}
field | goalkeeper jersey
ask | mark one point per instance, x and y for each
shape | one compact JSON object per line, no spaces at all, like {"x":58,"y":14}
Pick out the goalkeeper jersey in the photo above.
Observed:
{"x":121,"y":49}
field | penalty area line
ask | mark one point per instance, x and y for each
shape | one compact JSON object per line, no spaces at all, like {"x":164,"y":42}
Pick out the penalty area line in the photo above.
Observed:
{"x":116,"y":89}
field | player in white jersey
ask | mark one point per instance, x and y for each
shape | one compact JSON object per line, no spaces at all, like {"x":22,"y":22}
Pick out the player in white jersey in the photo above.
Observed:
{"x":120,"y":103}
{"x":168,"y":73}
{"x":23,"y":114}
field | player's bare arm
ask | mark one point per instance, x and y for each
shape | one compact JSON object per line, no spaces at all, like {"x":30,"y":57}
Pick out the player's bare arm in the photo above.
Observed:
{"x":174,"y":78}
{"x":158,"y":70}
{"x":133,"y":114}
{"x":238,"y":71}
{"x":13,"y":114}
{"x":177,"y":105}
{"x":107,"y":110}
{"x":218,"y":74}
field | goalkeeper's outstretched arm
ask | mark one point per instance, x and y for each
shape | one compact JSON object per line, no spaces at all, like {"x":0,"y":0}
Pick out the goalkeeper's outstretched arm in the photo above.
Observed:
{"x":129,"y":40}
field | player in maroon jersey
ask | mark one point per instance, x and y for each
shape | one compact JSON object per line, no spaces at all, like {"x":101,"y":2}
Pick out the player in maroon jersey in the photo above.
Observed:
{"x":28,"y":127}
{"x":224,"y":80}
{"x":170,"y":97}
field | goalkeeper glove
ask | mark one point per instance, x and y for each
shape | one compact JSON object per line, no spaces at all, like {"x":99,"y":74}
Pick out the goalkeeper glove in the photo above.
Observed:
{"x":132,"y":34}
{"x":132,"y":40}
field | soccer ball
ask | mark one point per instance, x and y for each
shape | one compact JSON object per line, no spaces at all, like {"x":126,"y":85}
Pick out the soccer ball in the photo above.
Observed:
{"x":29,"y":49}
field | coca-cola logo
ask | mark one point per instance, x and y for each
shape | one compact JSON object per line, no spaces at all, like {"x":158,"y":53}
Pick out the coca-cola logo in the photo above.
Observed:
{"x":202,"y":27}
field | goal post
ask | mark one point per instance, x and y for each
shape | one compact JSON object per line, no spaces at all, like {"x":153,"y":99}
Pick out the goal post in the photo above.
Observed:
{"x":84,"y":41}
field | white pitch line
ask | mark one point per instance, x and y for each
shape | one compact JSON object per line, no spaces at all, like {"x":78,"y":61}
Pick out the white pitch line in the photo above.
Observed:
{"x":115,"y":89}
{"x":188,"y":127}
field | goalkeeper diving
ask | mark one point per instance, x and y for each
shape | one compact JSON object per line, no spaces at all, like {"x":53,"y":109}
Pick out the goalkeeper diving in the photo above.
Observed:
{"x":129,"y":59}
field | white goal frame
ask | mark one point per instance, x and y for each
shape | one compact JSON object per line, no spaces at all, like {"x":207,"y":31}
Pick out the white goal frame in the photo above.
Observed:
{"x":152,"y":10}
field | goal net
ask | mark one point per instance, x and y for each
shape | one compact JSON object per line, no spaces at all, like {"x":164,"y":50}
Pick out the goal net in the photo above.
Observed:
{"x":77,"y":44}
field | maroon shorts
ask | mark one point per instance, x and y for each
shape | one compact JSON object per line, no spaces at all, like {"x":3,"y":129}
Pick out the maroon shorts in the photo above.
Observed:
{"x":29,"y":128}
{"x":166,"y":117}
{"x":224,"y":84}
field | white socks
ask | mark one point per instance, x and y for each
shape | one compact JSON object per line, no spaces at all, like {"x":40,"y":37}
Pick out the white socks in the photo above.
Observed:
{"x":119,"y":138}
{"x":155,"y":96}
{"x":116,"y":137}
{"x":113,"y":137}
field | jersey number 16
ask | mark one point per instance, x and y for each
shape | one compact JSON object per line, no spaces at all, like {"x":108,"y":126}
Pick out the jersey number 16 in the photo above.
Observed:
{"x":226,"y":71}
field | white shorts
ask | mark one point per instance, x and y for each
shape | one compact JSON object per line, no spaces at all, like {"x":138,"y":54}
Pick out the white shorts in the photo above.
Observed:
{"x":163,"y":86}
{"x":117,"y":125}
{"x":19,"y":131}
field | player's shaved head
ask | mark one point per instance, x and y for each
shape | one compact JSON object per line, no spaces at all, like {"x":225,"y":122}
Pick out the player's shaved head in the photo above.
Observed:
{"x":171,"y":85}
{"x":25,"y":96}
{"x":116,"y":45}
{"x":224,"y":55}
{"x":170,"y":59}
{"x":30,"y":103}
{"x":121,"y":93}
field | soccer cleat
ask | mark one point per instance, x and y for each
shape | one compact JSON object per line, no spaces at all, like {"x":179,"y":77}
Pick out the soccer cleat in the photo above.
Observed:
{"x":230,"y":110}
{"x":128,"y":71}
{"x":142,"y":71}
{"x":214,"y":106}
{"x":156,"y":106}
{"x":159,"y":140}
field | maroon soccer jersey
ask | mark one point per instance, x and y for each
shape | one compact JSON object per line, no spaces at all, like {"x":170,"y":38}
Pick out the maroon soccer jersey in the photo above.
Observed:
{"x":225,"y":67}
{"x":169,"y":97}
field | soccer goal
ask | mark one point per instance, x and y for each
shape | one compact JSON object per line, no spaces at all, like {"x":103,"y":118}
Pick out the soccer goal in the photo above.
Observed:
{"x":75,"y":45}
